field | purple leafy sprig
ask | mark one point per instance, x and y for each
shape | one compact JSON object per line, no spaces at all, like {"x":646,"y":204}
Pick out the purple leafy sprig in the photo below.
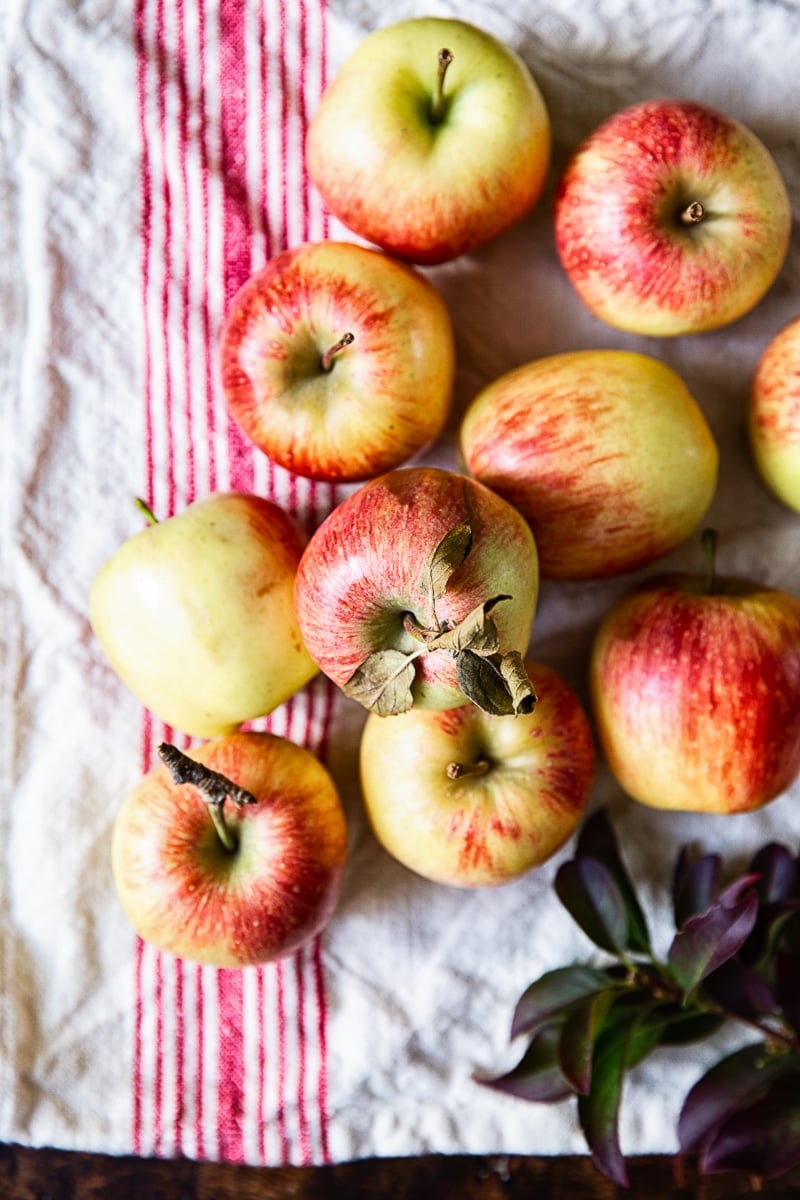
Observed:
{"x":735,"y":956}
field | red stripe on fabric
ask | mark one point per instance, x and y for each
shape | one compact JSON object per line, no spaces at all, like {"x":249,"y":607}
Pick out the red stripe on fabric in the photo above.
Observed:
{"x":138,"y":1050}
{"x":230,"y":1091}
{"x":304,"y":1135}
{"x":261,"y":1063}
{"x":179,"y":1103}
{"x":237,"y":230}
{"x":321,"y":995}
{"x":280,"y":1012}
{"x":199,"y":1128}
{"x":209,"y":358}
{"x":158,"y":1072}
{"x":163,"y":74}
{"x":188,"y":248}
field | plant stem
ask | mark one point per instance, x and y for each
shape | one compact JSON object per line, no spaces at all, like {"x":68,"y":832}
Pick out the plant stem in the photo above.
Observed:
{"x":708,"y":540}
{"x":346,"y":339}
{"x":212,"y":786}
{"x":146,"y":511}
{"x":457,"y":770}
{"x":692,"y":214}
{"x":443,"y":60}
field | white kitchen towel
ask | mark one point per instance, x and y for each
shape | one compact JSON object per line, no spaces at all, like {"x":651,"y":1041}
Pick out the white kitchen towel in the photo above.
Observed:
{"x":152,"y":158}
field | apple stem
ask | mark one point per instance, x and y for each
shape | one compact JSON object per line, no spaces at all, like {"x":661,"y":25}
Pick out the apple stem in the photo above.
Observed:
{"x":346,"y":339}
{"x":457,"y":770}
{"x":708,"y":540}
{"x":213,"y":787}
{"x":146,"y":511}
{"x":692,"y":214}
{"x":443,"y":60}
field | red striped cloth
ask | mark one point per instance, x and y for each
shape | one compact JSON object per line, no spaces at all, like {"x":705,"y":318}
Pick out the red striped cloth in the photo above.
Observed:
{"x":227,"y":1065}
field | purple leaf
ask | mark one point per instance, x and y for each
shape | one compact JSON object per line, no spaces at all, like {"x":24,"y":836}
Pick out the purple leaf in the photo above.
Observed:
{"x":780,"y":878}
{"x":587,"y":890}
{"x":740,"y":991}
{"x":709,"y":939}
{"x":787,"y":984}
{"x":597,"y":840}
{"x":734,"y":1083}
{"x":694,"y":884}
{"x":762,"y":1139}
{"x":553,"y":994}
{"x":537,"y":1075}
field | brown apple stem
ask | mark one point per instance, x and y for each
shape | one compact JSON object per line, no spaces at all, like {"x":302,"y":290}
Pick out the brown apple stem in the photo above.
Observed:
{"x":708,"y":539}
{"x":443,"y":60}
{"x":457,"y":770}
{"x":692,"y":214}
{"x":346,"y":339}
{"x":214,"y":787}
{"x":146,"y":511}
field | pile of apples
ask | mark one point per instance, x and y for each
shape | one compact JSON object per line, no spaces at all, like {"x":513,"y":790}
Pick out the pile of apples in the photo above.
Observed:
{"x":417,"y":595}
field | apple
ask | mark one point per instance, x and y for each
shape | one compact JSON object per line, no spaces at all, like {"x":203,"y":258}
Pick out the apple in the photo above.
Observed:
{"x":195,"y":613}
{"x":671,"y":218}
{"x":695,"y":686}
{"x":469,"y":799}
{"x":605,"y":452}
{"x":774,"y":415}
{"x":431,"y":139}
{"x":337,"y":361}
{"x":238,"y":883}
{"x":420,"y":588}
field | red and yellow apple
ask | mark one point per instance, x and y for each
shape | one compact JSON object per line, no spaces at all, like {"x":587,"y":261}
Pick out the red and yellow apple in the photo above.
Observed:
{"x":238,"y":879}
{"x":337,"y":361}
{"x":774,"y":415}
{"x":411,"y":579}
{"x":431,"y":139}
{"x":196,"y":616}
{"x":605,"y":453}
{"x":695,"y":687}
{"x":466,"y":798}
{"x":671,"y":218}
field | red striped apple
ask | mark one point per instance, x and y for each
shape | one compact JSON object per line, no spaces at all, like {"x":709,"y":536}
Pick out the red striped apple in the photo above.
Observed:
{"x":337,"y":361}
{"x":420,"y":588}
{"x":605,"y":453}
{"x":671,"y":218}
{"x":695,"y":686}
{"x":431,"y":139}
{"x":196,"y":616}
{"x":465,"y":798}
{"x":774,"y":415}
{"x":232,"y":854}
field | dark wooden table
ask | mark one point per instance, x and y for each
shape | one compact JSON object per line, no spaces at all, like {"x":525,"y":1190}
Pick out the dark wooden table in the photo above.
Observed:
{"x":27,"y":1174}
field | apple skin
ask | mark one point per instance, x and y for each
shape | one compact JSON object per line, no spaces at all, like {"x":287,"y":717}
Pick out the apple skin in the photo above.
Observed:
{"x":363,"y":568}
{"x":479,"y":830}
{"x":774,"y":415}
{"x":196,"y":614}
{"x":187,"y":895}
{"x":604,"y":452}
{"x":422,"y":190}
{"x":384,"y":397}
{"x":696,"y":694}
{"x":618,"y":229}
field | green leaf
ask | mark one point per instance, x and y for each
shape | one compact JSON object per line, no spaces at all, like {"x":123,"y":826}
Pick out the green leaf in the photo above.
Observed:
{"x":712,"y":937}
{"x":578,"y":1035}
{"x":598,"y":840}
{"x":554,"y":994}
{"x":537,"y":1076}
{"x":588,"y":891}
{"x":383,"y":682}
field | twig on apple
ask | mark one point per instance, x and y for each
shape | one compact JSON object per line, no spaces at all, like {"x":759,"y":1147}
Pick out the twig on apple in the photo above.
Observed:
{"x":443,"y":60}
{"x":328,"y":357}
{"x":214,"y":787}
